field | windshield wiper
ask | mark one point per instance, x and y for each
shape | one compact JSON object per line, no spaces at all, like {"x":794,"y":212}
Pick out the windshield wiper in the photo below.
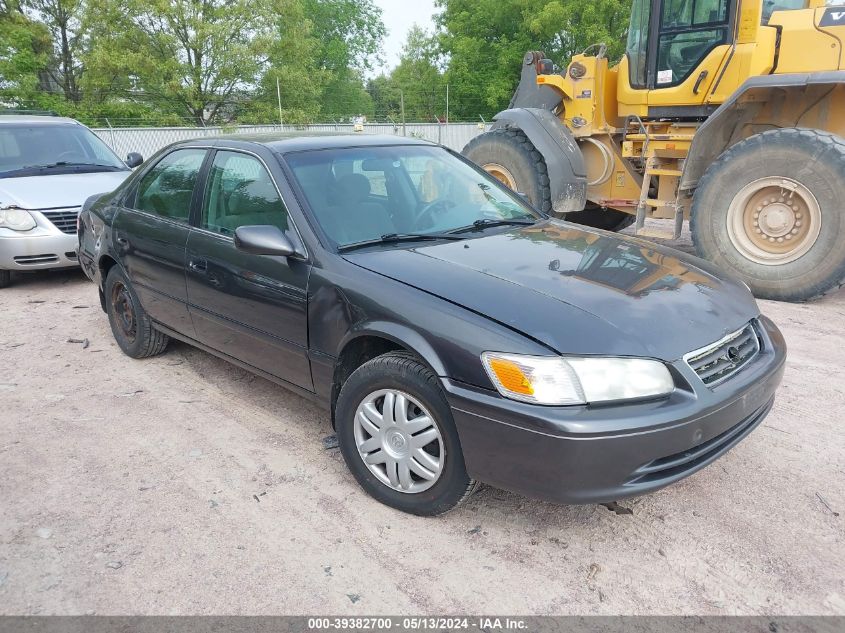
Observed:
{"x":70,"y":164}
{"x":488,"y":222}
{"x":391,"y":238}
{"x":30,"y":170}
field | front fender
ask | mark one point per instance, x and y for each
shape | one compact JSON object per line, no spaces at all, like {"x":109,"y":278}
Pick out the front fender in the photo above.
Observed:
{"x":403,"y":336}
{"x":554,"y":141}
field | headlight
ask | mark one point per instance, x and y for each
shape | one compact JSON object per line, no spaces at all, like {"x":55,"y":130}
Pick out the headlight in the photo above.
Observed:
{"x":558,"y":380}
{"x":16,"y":219}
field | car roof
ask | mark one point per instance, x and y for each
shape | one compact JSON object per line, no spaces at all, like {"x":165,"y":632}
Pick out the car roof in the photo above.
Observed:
{"x":284,"y":142}
{"x":44,"y":119}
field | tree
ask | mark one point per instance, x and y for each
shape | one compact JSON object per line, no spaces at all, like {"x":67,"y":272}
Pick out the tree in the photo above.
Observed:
{"x":63,"y":18}
{"x":320,"y":50}
{"x":485,"y":40}
{"x":349,"y":33}
{"x":292,"y":67}
{"x":417,"y":80}
{"x":201,"y":57}
{"x":25,"y":49}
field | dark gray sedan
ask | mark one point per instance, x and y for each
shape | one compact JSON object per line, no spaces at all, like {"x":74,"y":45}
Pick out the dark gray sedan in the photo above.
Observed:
{"x":455,"y":334}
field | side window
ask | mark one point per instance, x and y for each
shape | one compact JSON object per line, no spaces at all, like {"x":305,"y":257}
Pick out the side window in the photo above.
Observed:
{"x":167,"y":188}
{"x":689,"y":30}
{"x":770,"y":6}
{"x":637,"y":46}
{"x":240,"y":192}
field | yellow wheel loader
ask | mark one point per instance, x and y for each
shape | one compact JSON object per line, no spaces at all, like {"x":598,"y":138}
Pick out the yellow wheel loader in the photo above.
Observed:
{"x":729,"y":113}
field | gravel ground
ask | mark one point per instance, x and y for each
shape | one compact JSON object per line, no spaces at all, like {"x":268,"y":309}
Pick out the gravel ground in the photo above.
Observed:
{"x":184,"y":485}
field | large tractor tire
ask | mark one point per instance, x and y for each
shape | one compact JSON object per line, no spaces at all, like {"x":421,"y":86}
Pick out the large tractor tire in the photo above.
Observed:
{"x":770,"y":210}
{"x":508,"y":155}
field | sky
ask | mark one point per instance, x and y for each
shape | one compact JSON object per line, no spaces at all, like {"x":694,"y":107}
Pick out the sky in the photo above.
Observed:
{"x":399,"y":16}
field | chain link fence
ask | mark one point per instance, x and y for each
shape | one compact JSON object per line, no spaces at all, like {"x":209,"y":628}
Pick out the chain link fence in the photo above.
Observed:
{"x":147,"y":141}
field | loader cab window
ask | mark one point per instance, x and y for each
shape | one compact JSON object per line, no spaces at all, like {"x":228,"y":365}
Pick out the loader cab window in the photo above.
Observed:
{"x":689,"y":30}
{"x":637,"y":46}
{"x":770,"y":6}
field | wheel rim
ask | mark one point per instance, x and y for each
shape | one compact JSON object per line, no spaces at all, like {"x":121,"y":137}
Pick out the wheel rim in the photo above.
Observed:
{"x":124,"y":312}
{"x":774,"y":221}
{"x":502,"y":174}
{"x":399,"y":441}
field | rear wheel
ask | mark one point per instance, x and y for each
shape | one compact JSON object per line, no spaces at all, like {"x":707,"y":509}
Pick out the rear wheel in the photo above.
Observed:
{"x":770,"y":210}
{"x":5,"y":278}
{"x":130,"y":325}
{"x":397,"y":436}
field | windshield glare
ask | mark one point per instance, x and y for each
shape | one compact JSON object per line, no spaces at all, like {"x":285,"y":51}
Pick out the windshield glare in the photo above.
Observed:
{"x":362,"y":194}
{"x":25,"y":146}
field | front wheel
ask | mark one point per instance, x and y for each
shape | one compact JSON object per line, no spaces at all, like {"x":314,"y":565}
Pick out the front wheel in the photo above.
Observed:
{"x":397,"y":436}
{"x":770,"y":210}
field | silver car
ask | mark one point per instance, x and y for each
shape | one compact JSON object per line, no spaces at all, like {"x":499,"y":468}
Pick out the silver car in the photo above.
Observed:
{"x":49,"y":166}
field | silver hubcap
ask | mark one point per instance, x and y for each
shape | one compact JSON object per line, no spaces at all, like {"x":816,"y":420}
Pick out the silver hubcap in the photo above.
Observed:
{"x":399,"y":441}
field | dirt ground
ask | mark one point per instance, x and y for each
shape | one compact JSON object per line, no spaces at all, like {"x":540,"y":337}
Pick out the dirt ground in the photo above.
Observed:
{"x":184,"y":485}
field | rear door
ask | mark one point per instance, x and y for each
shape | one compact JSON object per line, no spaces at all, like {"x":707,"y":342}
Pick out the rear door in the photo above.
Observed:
{"x":251,"y":307}
{"x":151,"y":232}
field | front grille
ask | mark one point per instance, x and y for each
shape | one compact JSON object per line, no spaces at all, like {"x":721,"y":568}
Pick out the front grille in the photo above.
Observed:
{"x":721,"y":360}
{"x":29,"y":260}
{"x":65,"y":221}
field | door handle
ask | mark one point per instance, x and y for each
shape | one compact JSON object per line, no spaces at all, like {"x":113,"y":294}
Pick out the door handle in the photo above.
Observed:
{"x":122,"y":241}
{"x":701,"y":77}
{"x":198,"y":265}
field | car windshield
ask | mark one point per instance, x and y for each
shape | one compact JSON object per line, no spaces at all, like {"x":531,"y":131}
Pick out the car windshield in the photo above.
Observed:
{"x":368,"y":193}
{"x":27,"y":150}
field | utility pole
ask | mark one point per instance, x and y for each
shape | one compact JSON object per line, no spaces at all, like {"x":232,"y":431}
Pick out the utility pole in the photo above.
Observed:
{"x":402,"y":108}
{"x":279,"y":97}
{"x":447,"y":104}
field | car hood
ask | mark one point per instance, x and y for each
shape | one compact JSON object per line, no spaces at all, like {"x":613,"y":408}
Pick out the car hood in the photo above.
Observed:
{"x":577,"y":290}
{"x":57,"y":190}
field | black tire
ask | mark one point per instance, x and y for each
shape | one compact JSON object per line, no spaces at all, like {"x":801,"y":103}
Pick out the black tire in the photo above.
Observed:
{"x":510,"y":148}
{"x":601,"y":218}
{"x":816,"y":161}
{"x":401,"y":371}
{"x":5,"y":278}
{"x":130,"y":325}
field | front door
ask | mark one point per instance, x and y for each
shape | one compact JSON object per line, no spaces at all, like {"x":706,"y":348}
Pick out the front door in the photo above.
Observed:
{"x":252,"y":307}
{"x":151,"y":231}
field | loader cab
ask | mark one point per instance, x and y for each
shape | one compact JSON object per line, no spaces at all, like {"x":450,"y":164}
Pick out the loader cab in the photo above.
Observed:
{"x":683,"y":56}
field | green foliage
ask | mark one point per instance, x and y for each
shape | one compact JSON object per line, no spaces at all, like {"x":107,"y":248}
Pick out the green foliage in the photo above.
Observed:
{"x":154,"y":62}
{"x":417,"y":79}
{"x":348,"y":33}
{"x":195,"y":56}
{"x":25,"y":48}
{"x":485,"y":41}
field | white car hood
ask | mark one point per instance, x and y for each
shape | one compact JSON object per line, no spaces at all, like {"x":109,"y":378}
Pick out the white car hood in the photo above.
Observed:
{"x":57,"y":190}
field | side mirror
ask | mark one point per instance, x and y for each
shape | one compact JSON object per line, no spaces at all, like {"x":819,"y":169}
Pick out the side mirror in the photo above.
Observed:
{"x":133,"y":159}
{"x":263,"y":239}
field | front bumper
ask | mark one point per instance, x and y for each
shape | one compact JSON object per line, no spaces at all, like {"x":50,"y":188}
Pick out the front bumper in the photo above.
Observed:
{"x":44,"y":246}
{"x":593,"y":454}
